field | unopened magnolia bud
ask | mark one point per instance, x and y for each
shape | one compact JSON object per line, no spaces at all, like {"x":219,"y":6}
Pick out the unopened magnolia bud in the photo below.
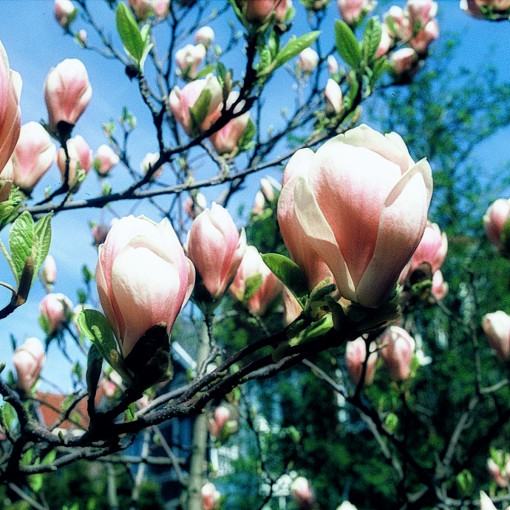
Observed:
{"x":49,"y":271}
{"x":205,"y":36}
{"x":308,"y":60}
{"x":105,"y":159}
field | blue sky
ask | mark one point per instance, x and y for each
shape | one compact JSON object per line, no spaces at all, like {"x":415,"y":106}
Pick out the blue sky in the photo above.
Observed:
{"x":34,"y":43}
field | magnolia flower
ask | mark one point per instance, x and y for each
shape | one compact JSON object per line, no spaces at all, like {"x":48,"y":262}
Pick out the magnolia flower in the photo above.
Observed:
{"x":55,"y":310}
{"x":49,"y":271}
{"x":205,"y":36}
{"x":353,"y":11}
{"x":216,"y":248}
{"x":356,"y":208}
{"x":259,"y":11}
{"x":403,"y":61}
{"x":80,"y":161}
{"x":497,"y":215}
{"x":251,"y":265}
{"x":64,"y":12}
{"x":189,"y":58}
{"x":28,"y":361}
{"x":195,"y":205}
{"x":143,"y":278}
{"x":145,"y":8}
{"x":332,"y":65}
{"x":308,"y":60}
{"x":334,"y":97}
{"x":356,"y":357}
{"x":33,"y":156}
{"x":397,"y":349}
{"x":302,"y":493}
{"x":10,"y":115}
{"x":496,"y":326}
{"x":67,"y":92}
{"x":210,"y":497}
{"x":105,"y":159}
{"x":432,"y":248}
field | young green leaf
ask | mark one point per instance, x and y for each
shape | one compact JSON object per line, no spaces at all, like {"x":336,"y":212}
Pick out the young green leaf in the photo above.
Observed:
{"x":198,"y":112}
{"x":371,"y":39}
{"x":294,"y":47}
{"x":245,"y":143}
{"x":7,"y":415}
{"x":93,"y":324}
{"x":287,"y":271}
{"x":42,"y":240}
{"x":129,"y":33}
{"x":253,"y":284}
{"x":347,"y":45}
{"x":21,"y":240}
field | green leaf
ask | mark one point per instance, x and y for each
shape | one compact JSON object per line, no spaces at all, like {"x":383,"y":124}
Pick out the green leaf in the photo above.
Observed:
{"x":198,"y":112}
{"x":371,"y":39}
{"x":347,"y":45}
{"x":288,"y":272}
{"x":21,"y":240}
{"x":93,"y":324}
{"x":129,"y":33}
{"x":208,"y":69}
{"x":294,"y":47}
{"x":245,"y":143}
{"x":253,"y":284}
{"x":42,"y":240}
{"x":7,"y":415}
{"x":49,"y":457}
{"x":352,"y":91}
{"x":10,"y":207}
{"x":35,"y":482}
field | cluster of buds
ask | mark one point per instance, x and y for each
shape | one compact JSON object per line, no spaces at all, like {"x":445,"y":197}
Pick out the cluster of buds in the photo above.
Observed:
{"x":356,"y":358}
{"x":496,"y":327}
{"x":416,"y":27}
{"x":493,"y":10}
{"x":496,"y":223}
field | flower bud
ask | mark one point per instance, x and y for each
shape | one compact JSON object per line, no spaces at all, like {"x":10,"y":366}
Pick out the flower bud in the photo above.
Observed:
{"x":65,"y":12}
{"x":67,"y":92}
{"x":432,"y":248}
{"x":495,"y":471}
{"x":308,"y":60}
{"x":332,"y":65}
{"x":82,"y":36}
{"x":149,"y":160}
{"x":259,"y":204}
{"x":216,"y":249}
{"x":251,"y":265}
{"x":224,"y":422}
{"x":291,"y":307}
{"x":49,"y":272}
{"x":397,"y":349}
{"x":33,"y":156}
{"x":226,"y":140}
{"x":356,"y":209}
{"x":385,"y":42}
{"x":10,"y":115}
{"x":181,"y":100}
{"x":28,"y":361}
{"x":194,"y":205}
{"x":420,"y":13}
{"x":404,"y":61}
{"x":439,"y":287}
{"x":143,"y":9}
{"x":105,"y":159}
{"x":496,"y":326}
{"x":302,"y":493}
{"x":80,"y":161}
{"x":397,"y":21}
{"x":55,"y":310}
{"x":494,"y":220}
{"x":143,"y":278}
{"x":205,"y":36}
{"x":99,"y":233}
{"x":356,"y":357}
{"x":493,"y":10}
{"x":188,"y":59}
{"x":259,"y":11}
{"x":334,"y":97}
{"x":422,"y":40}
{"x":353,"y":11}
{"x":210,"y":497}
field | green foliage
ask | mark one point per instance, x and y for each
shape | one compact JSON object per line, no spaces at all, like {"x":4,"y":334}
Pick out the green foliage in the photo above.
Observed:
{"x":294,"y":47}
{"x":347,"y":45}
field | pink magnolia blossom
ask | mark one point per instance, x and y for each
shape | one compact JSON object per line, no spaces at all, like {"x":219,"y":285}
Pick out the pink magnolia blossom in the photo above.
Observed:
{"x":486,"y":9}
{"x":421,"y":12}
{"x":403,"y":61}
{"x":10,"y":115}
{"x":334,"y":97}
{"x":216,"y":248}
{"x":494,"y":220}
{"x":224,"y":422}
{"x":251,"y":265}
{"x":307,"y":60}
{"x":56,"y":310}
{"x":302,"y":493}
{"x":386,"y":41}
{"x":267,"y":189}
{"x":105,"y":159}
{"x":397,"y":352}
{"x":291,"y":307}
{"x":49,"y":271}
{"x":259,"y":11}
{"x":499,"y":476}
{"x":226,"y":140}
{"x":496,"y":327}
{"x":422,"y":40}
{"x":432,"y":248}
{"x":332,"y":65}
{"x":188,"y":59}
{"x":180,"y":101}
{"x":353,"y":11}
{"x":439,"y":287}
{"x":210,"y":497}
{"x":359,"y":205}
{"x":80,"y":158}
{"x":398,"y":23}
{"x":205,"y":36}
{"x":33,"y":156}
{"x":195,"y":205}
{"x":143,"y":278}
{"x":64,"y":12}
{"x":142,"y":9}
{"x":28,"y":360}
{"x":67,"y":92}
{"x":258,"y":204}
{"x":355,"y":358}
{"x":99,"y":233}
